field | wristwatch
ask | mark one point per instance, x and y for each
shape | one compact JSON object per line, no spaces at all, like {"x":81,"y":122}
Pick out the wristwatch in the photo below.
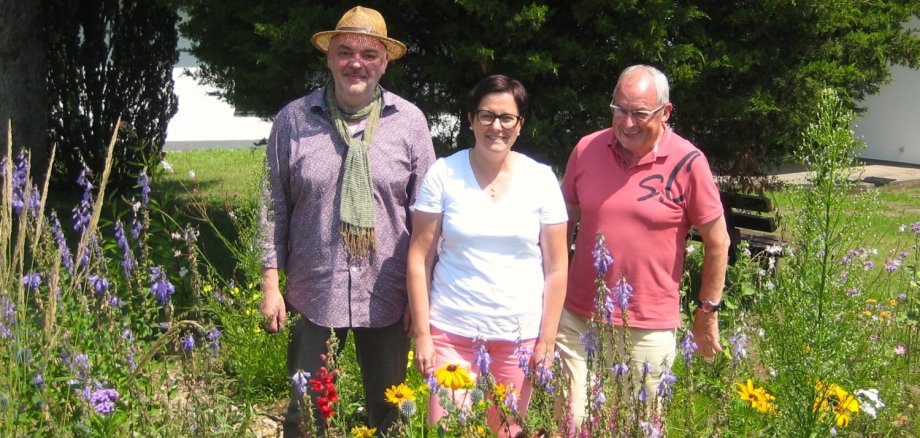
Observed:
{"x":710,"y":306}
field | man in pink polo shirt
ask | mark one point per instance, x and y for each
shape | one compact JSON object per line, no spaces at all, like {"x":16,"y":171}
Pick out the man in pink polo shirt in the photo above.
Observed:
{"x":642,"y":186}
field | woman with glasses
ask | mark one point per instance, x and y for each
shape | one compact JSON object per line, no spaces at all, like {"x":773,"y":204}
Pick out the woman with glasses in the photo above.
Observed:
{"x":487,"y":257}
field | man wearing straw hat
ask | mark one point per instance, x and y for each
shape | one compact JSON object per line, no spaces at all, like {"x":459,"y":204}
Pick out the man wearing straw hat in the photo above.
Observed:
{"x":344,"y":164}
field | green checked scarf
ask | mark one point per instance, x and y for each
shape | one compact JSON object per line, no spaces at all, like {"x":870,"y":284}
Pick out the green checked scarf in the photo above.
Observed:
{"x":356,"y":207}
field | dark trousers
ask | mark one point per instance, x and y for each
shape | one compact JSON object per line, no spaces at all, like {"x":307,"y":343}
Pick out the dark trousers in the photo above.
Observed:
{"x":381,"y":355}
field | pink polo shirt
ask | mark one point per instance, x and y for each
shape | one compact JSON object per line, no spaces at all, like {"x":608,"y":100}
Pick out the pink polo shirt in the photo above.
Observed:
{"x":644,"y":211}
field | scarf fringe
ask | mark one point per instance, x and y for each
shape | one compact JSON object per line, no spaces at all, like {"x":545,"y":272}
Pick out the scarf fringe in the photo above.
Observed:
{"x":358,"y":241}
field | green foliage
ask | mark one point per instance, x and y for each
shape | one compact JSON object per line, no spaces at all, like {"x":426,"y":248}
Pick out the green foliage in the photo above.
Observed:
{"x":109,"y":60}
{"x":745,"y":75}
{"x":90,"y":339}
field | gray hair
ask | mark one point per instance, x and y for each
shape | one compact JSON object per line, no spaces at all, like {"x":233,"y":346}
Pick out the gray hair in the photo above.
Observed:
{"x":658,"y":79}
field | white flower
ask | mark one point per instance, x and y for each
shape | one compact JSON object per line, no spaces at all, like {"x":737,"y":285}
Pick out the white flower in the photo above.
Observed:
{"x":691,"y":249}
{"x":183,"y":271}
{"x":774,"y":249}
{"x":770,"y":286}
{"x":771,"y":263}
{"x":902,"y":228}
{"x":136,"y":206}
{"x":175,"y":235}
{"x":166,"y":166}
{"x":177,"y":253}
{"x":191,"y":174}
{"x":869,"y":401}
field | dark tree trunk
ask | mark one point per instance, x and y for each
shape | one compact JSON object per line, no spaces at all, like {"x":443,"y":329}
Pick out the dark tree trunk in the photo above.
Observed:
{"x":23,"y":99}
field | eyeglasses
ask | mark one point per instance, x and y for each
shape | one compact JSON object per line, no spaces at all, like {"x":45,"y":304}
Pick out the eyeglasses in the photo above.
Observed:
{"x":486,"y":118}
{"x":641,"y":116}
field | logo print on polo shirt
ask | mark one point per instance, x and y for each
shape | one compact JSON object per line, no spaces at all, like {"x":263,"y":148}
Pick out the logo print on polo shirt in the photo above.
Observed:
{"x":685,"y":163}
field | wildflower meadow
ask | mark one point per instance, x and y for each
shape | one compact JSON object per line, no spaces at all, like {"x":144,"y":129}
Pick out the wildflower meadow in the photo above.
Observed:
{"x":118,"y":319}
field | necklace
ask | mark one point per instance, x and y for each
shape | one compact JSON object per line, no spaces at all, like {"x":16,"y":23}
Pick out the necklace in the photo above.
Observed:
{"x":479,"y":174}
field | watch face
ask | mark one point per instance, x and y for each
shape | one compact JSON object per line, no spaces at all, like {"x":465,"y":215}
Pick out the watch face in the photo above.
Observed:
{"x":709,"y":306}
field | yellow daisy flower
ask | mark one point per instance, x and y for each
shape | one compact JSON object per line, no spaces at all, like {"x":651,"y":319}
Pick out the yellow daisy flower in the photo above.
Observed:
{"x":759,"y":398}
{"x":397,"y":394}
{"x":499,"y":392}
{"x":454,"y":377}
{"x":839,"y":400}
{"x":363,"y":431}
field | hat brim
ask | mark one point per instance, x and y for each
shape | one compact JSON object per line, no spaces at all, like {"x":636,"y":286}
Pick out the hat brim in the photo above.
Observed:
{"x":395,"y":49}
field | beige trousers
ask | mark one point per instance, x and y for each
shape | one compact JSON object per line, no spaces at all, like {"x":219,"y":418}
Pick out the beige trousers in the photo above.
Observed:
{"x":656,"y":348}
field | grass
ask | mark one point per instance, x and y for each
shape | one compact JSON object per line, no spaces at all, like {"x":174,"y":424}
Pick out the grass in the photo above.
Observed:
{"x":207,"y":185}
{"x":892,"y":206}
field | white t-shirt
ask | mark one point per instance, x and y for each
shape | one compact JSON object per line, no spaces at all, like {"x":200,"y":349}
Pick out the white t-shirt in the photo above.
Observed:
{"x":488,"y":279}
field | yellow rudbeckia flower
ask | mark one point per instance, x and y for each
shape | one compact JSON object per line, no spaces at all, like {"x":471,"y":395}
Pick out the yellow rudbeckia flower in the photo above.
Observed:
{"x":839,"y":400}
{"x":397,"y":394}
{"x":759,"y":398}
{"x":363,"y":431}
{"x":454,"y":377}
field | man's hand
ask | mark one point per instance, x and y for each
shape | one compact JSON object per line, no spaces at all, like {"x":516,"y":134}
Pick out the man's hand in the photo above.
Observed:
{"x":706,"y":333}
{"x":542,"y":355}
{"x":273,"y":311}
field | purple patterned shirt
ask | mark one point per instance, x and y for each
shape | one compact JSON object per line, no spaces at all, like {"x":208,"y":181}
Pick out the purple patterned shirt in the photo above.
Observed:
{"x":301,"y":226}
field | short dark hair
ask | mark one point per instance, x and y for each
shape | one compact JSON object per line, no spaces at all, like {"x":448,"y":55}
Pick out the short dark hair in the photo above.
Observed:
{"x":499,"y":84}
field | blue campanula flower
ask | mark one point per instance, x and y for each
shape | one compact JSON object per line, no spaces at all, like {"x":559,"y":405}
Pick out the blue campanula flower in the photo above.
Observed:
{"x":738,"y":343}
{"x":300,"y":380}
{"x":160,"y":286}
{"x":7,"y":318}
{"x":482,"y":360}
{"x":620,"y":369}
{"x":591,"y":341}
{"x":128,"y":263}
{"x":187,"y":343}
{"x":214,"y":337}
{"x":622,"y":293}
{"x":602,"y":257}
{"x":66,"y":257}
{"x":144,"y":182}
{"x":32,"y":280}
{"x":98,"y":283}
{"x":688,"y":347}
{"x":915,"y":227}
{"x":600,"y":399}
{"x":665,"y":388}
{"x":511,"y":399}
{"x":646,"y":368}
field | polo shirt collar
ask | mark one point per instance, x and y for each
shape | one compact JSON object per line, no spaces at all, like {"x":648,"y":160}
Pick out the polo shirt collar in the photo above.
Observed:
{"x":661,"y":149}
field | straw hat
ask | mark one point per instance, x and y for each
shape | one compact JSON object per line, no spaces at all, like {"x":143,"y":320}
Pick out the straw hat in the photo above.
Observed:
{"x":361,"y":21}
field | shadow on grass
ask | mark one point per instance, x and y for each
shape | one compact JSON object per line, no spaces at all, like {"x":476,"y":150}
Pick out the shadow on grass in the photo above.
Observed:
{"x":173,"y":207}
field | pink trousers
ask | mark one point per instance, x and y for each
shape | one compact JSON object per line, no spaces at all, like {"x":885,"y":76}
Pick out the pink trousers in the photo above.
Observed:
{"x":505,"y":368}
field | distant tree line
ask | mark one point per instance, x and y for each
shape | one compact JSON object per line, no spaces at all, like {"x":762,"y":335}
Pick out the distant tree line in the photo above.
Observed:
{"x":745,"y":75}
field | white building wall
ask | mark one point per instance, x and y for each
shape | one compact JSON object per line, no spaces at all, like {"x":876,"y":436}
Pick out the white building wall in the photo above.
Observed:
{"x":891,"y":125}
{"x":205,"y":121}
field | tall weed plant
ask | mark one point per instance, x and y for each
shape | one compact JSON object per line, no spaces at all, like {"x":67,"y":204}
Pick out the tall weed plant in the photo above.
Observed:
{"x":826,"y":329}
